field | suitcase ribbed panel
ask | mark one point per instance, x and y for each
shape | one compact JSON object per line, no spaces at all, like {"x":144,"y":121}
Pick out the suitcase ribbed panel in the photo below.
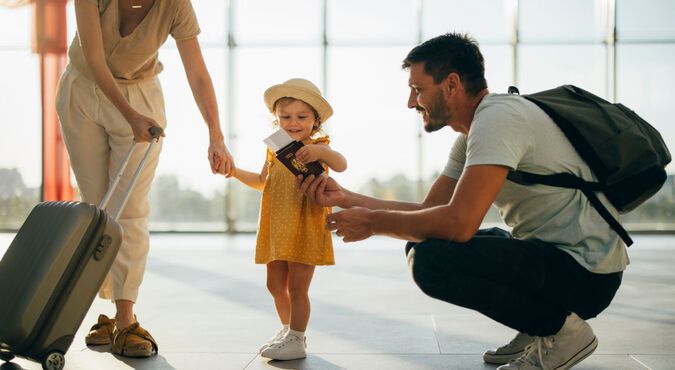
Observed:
{"x":35,"y":262}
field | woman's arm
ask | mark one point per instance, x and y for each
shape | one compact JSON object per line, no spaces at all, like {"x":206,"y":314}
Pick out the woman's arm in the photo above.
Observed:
{"x":91,"y":39}
{"x":323,"y":153}
{"x":201,"y":85}
{"x":252,"y":179}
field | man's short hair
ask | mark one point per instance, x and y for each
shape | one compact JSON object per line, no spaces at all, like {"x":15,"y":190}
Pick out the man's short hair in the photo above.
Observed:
{"x":448,"y":53}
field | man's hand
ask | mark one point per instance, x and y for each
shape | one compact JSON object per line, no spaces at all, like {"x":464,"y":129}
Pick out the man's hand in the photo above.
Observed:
{"x":220,"y":159}
{"x":352,"y":224}
{"x":310,"y":153}
{"x":323,"y":191}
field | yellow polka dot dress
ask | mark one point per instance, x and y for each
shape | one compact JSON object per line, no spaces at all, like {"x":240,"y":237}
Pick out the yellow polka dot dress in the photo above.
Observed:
{"x":291,"y":228}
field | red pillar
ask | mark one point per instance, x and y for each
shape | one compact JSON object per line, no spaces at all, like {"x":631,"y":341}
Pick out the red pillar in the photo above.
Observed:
{"x":49,"y":41}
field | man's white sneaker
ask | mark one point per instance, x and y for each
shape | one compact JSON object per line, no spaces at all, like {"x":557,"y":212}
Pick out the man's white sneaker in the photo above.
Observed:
{"x":290,"y":347}
{"x":574,"y":342}
{"x":277,"y":337}
{"x":511,"y":351}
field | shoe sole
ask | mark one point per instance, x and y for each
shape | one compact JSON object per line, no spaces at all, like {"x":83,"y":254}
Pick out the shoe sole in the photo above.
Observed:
{"x":100,"y":342}
{"x":501,"y":359}
{"x":580,"y":356}
{"x":137,"y":354}
{"x":293,"y":356}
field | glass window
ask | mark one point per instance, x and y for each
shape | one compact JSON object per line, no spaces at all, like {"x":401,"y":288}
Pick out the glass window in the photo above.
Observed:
{"x":372,"y":127}
{"x":21,"y":138}
{"x":291,"y":22}
{"x":645,"y":84}
{"x":489,"y":21}
{"x":568,"y":21}
{"x":498,"y":67}
{"x":357,"y":22}
{"x":15,"y":27}
{"x":638,"y":20}
{"x":185,"y":194}
{"x":71,"y":22}
{"x":212,"y":18}
{"x":543,"y":67}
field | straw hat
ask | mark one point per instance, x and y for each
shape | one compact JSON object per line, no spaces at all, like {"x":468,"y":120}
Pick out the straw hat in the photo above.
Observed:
{"x":301,"y":89}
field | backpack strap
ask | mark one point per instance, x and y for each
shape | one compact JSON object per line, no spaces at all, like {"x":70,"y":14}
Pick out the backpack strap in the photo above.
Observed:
{"x":566,"y":180}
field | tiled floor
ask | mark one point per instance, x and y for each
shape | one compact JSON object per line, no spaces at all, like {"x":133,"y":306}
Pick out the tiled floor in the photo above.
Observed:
{"x":205,"y":302}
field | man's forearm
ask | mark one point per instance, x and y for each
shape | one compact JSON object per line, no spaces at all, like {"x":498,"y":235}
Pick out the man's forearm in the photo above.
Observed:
{"x":435,"y":222}
{"x":360,"y":200}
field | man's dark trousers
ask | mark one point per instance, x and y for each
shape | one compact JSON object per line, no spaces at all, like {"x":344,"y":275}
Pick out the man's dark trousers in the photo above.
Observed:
{"x":528,"y":285}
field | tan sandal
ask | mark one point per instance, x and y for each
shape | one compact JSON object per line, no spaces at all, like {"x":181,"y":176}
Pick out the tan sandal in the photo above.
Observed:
{"x":133,"y":341}
{"x":101,"y":333}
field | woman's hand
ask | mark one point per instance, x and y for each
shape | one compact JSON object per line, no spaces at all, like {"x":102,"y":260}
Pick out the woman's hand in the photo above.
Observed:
{"x":141,"y":126}
{"x":220,"y":159}
{"x":310,"y":153}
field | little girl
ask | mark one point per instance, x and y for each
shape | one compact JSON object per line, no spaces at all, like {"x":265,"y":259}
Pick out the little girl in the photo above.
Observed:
{"x":292,"y":236}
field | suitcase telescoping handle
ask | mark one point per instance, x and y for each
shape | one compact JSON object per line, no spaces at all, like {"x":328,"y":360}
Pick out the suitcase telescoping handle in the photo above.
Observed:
{"x":156,"y":132}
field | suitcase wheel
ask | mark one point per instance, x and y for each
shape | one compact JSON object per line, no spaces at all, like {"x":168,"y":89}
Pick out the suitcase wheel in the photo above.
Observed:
{"x":54,"y":361}
{"x":6,"y":356}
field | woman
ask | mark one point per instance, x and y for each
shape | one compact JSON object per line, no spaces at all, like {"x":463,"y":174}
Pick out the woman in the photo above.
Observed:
{"x":110,"y":95}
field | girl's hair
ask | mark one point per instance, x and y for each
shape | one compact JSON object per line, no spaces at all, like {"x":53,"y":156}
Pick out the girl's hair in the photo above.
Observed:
{"x":286,"y":100}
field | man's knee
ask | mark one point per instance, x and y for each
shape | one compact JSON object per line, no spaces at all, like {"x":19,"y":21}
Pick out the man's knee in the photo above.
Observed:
{"x":425,"y":263}
{"x":603,"y":293}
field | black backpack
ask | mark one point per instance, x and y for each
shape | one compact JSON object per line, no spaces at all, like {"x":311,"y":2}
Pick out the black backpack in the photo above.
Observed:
{"x":626,"y":154}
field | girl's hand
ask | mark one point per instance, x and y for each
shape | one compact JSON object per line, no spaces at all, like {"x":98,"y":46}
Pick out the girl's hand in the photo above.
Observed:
{"x":310,"y":153}
{"x":220,"y":159}
{"x":141,"y":126}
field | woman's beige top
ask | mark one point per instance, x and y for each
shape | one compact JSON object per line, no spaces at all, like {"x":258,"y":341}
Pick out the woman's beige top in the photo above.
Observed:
{"x":133,"y":58}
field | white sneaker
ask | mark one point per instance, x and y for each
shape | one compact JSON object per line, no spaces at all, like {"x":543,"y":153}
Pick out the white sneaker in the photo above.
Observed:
{"x":574,"y":342}
{"x":277,"y":337}
{"x":289,"y":347}
{"x":511,"y":351}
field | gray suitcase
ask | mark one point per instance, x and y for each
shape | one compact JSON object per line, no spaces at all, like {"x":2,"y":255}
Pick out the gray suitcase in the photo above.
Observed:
{"x":52,"y":270}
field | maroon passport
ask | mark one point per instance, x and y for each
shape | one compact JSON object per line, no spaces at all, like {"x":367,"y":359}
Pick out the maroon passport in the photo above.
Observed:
{"x":285,"y":147}
{"x":286,"y":155}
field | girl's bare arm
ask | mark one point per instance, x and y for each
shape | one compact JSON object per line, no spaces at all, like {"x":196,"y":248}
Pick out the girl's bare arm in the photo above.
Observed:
{"x":253,"y":179}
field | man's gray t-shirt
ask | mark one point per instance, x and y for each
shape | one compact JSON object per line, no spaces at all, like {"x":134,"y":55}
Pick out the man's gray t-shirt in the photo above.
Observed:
{"x":511,"y":131}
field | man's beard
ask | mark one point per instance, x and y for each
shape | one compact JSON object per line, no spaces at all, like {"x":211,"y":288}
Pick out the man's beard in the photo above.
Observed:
{"x":438,"y":115}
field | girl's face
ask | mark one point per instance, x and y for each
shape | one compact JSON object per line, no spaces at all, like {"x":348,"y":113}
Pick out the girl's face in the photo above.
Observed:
{"x":297,"y":119}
